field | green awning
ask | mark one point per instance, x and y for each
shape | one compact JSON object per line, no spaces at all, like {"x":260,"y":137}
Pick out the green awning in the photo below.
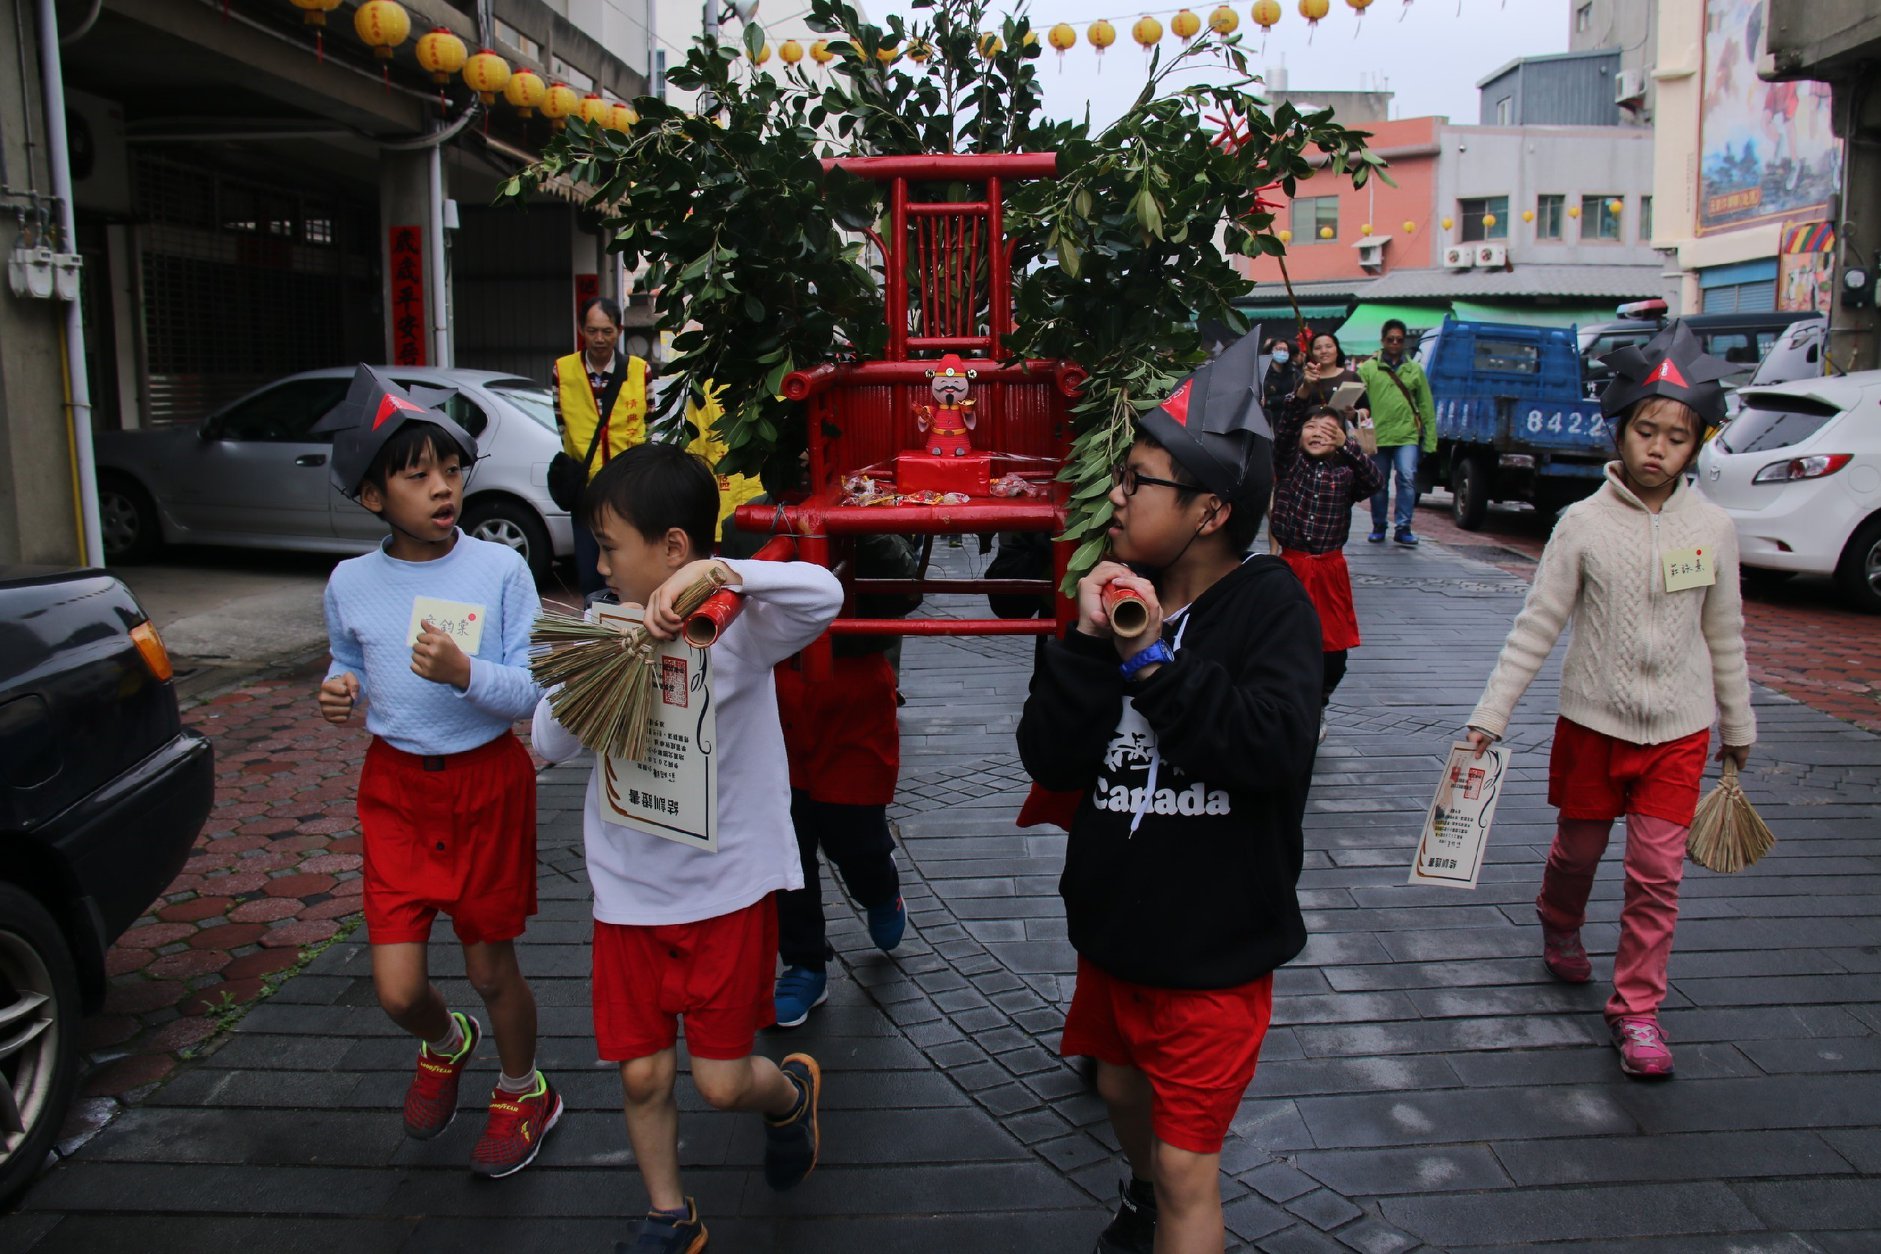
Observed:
{"x":1533,"y":315}
{"x":1359,"y":333}
{"x":1315,"y":313}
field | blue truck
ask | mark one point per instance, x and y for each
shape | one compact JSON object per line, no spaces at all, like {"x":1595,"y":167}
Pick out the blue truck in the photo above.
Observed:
{"x":1513,"y":422}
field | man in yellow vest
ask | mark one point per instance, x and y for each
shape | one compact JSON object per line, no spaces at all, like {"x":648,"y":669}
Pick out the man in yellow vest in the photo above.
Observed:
{"x":601,"y":410}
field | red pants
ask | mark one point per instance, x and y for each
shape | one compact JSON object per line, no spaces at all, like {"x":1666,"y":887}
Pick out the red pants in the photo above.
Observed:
{"x":1655,"y":865}
{"x":1593,"y":779}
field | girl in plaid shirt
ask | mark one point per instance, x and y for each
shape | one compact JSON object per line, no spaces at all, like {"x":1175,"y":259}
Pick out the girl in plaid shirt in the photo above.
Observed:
{"x":1320,"y":473}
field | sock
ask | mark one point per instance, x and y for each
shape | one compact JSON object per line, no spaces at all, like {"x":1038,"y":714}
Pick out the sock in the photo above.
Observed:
{"x":451,"y":1043}
{"x":797,"y":1108}
{"x":515,"y":1087}
{"x":679,"y":1213}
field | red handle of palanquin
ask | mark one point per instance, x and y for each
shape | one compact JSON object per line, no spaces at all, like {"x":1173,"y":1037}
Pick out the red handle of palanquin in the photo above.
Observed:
{"x":1129,"y":616}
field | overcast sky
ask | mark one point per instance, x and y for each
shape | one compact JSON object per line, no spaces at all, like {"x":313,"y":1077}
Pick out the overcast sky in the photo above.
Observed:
{"x":1431,"y":58}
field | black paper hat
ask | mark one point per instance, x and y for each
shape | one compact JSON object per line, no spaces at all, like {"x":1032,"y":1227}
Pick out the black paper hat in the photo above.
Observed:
{"x":1213,"y":425}
{"x":1671,"y":365}
{"x":373,"y":411}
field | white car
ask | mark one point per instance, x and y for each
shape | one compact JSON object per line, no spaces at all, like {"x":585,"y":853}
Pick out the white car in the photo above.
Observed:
{"x":254,"y":474}
{"x":1799,"y":471}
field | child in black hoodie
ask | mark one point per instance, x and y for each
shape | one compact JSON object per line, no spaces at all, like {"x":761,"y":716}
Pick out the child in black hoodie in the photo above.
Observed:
{"x":1193,"y":746}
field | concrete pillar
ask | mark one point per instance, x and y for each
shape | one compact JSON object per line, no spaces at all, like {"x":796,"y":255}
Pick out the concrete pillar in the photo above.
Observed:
{"x":38,"y":505}
{"x":406,"y":282}
{"x":1855,"y":342}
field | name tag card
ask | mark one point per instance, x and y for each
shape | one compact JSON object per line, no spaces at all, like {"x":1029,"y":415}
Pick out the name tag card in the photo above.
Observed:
{"x":1688,"y":568}
{"x":674,"y":793}
{"x":1456,"y":828}
{"x":460,"y":620}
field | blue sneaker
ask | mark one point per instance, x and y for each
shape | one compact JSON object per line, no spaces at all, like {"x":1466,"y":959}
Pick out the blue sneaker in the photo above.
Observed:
{"x":887,"y":923}
{"x":661,"y":1233}
{"x":1376,"y":537}
{"x":1405,"y":538}
{"x":799,"y":991}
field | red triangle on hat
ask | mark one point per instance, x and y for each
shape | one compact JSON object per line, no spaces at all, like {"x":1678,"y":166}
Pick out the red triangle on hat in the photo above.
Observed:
{"x":1670,"y":373}
{"x":1177,"y":406}
{"x":387,"y":405}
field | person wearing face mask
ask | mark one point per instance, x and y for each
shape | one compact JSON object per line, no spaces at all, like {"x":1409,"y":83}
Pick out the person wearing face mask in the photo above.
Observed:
{"x":1283,"y":374}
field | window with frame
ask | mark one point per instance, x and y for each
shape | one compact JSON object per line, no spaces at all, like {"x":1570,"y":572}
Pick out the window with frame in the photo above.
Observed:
{"x":285,"y":413}
{"x":1505,"y":110}
{"x":1645,"y":219}
{"x":1313,"y":215}
{"x":1598,"y":219}
{"x":1584,"y":18}
{"x":1550,"y":213}
{"x":1471,"y":212}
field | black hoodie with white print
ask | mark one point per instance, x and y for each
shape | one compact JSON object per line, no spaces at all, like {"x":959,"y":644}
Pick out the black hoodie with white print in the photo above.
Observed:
{"x":1186,"y":846}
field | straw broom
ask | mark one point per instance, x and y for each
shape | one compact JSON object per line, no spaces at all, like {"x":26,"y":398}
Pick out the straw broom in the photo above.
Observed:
{"x":1727,"y":832}
{"x":601,"y":675}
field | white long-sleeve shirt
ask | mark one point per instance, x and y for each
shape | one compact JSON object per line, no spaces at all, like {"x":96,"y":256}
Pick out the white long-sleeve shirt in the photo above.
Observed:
{"x":646,"y":880}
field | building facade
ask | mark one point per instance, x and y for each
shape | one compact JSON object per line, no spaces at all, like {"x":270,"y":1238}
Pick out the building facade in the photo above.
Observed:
{"x":252,"y":195}
{"x":1837,"y":44}
{"x":1630,"y":28}
{"x":1533,"y":224}
{"x":1747,"y":170}
{"x":1581,"y":88}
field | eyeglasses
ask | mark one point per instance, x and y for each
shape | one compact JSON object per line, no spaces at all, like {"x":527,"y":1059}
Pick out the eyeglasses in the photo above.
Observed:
{"x":1129,"y":480}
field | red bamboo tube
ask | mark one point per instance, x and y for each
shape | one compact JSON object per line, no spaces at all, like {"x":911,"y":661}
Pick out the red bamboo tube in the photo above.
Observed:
{"x":707,"y":623}
{"x":1129,"y":616}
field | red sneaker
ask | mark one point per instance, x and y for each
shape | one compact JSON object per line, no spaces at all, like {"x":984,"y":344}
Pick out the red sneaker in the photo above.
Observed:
{"x":1564,"y":956}
{"x":431,"y":1101}
{"x":1644,"y":1053}
{"x":516,"y":1130}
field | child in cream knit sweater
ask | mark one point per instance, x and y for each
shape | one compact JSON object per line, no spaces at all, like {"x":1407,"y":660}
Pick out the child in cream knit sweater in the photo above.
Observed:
{"x":1647,"y":570}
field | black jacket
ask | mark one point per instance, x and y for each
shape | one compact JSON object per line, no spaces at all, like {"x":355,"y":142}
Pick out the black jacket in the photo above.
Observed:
{"x":1202,"y":894}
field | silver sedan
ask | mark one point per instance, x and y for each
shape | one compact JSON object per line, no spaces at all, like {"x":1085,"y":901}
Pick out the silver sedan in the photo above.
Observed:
{"x":253,"y":474}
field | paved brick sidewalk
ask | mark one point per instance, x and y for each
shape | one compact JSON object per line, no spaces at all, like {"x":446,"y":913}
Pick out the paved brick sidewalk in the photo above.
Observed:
{"x":1425,"y":1084}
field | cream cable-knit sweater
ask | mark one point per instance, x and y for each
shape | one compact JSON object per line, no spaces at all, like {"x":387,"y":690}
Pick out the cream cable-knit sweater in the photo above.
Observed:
{"x":1643,"y":664}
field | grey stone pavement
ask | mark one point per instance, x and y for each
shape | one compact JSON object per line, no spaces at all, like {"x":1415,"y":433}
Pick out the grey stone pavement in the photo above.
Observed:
{"x":1425,"y":1086}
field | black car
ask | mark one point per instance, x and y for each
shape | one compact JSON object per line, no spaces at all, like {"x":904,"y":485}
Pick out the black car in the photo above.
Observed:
{"x":102,"y":794}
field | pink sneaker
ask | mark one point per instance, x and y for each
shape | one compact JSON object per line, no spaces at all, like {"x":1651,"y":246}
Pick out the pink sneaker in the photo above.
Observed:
{"x":1644,"y":1053}
{"x":1564,"y":956}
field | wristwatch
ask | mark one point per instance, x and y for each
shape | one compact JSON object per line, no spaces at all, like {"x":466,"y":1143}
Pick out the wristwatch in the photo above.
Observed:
{"x":1158,"y":652}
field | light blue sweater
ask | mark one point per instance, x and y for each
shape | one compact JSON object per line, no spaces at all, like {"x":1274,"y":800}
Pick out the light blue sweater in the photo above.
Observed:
{"x":369,"y":609}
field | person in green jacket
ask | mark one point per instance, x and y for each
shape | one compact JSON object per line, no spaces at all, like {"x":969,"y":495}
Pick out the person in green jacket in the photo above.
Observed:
{"x":1404,"y":415}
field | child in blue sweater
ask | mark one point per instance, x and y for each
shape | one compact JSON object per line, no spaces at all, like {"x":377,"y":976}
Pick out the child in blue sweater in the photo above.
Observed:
{"x":431,"y":633}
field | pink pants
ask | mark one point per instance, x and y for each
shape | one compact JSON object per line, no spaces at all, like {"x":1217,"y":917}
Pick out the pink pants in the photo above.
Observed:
{"x":1655,"y":863}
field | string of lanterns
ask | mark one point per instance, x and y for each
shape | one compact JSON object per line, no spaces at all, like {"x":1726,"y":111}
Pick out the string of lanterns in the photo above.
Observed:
{"x":385,"y":25}
{"x":1185,"y":24}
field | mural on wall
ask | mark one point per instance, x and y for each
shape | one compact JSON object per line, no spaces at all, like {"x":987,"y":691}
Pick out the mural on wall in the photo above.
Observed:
{"x":1806,"y":268}
{"x":1765,"y":149}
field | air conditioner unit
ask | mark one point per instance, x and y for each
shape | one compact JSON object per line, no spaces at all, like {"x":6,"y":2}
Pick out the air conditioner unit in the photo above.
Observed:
{"x":1629,"y":88}
{"x":1492,"y":256}
{"x":1459,"y":256}
{"x":1372,"y":253}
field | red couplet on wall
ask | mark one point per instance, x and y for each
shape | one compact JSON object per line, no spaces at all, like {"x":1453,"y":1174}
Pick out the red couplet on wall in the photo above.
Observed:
{"x":407,"y":254}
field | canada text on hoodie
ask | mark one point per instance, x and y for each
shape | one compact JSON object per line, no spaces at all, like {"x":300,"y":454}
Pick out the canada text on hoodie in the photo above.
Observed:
{"x":1186,"y":847}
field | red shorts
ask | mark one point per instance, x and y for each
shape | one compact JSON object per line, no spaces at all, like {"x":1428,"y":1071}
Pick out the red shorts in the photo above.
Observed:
{"x":1597,"y":777}
{"x":1197,"y":1046}
{"x":716,"y":972}
{"x":1328,"y":585}
{"x":454,"y":833}
{"x":842,"y":737}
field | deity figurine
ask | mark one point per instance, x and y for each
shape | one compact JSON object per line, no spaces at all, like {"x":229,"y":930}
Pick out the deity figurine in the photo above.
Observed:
{"x":944,"y":427}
